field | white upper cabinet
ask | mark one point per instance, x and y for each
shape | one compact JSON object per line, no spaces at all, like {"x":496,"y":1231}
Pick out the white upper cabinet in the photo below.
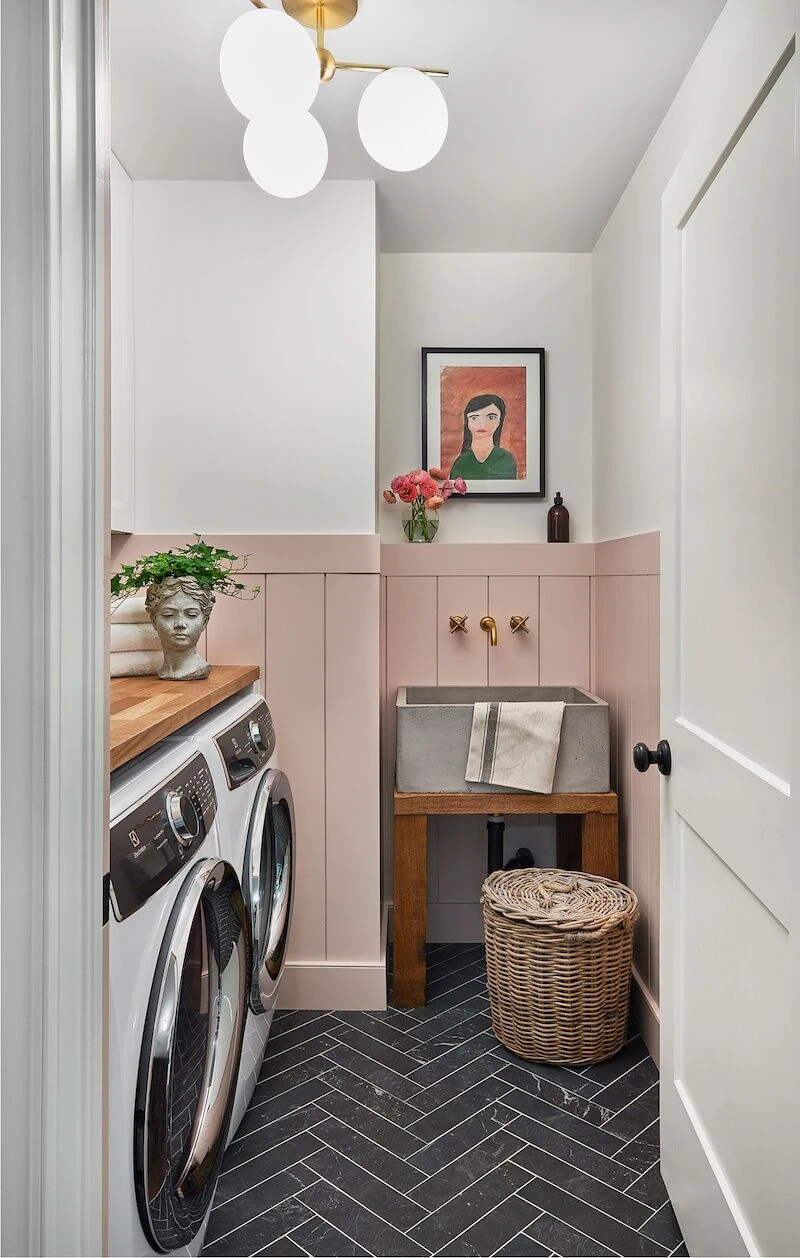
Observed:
{"x":122,"y":396}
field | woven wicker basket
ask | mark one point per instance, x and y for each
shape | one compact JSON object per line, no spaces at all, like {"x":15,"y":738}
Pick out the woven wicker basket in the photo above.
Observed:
{"x":558,"y":962}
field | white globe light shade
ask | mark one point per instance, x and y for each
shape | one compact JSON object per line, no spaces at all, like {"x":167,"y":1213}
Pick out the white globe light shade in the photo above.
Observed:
{"x":268,"y":61}
{"x":402,"y":119}
{"x":286,"y":153}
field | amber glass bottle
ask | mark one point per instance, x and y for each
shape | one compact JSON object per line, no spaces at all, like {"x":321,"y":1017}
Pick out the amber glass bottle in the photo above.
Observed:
{"x":558,"y":521}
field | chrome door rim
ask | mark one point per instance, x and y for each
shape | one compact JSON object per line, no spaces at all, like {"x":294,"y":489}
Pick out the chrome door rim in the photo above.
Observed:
{"x":273,"y":789}
{"x":174,"y":1190}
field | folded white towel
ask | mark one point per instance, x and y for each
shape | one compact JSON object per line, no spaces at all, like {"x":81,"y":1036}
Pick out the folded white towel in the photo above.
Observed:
{"x":130,"y":611}
{"x":515,"y":744}
{"x":136,"y":663}
{"x":134,"y":637}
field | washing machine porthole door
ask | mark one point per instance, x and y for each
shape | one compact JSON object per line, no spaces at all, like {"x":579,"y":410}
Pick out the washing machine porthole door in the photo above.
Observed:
{"x":191,"y":1049}
{"x":268,"y":883}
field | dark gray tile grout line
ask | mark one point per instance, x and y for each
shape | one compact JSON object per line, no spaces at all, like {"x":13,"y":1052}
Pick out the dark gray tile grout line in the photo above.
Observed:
{"x":375,"y":1126}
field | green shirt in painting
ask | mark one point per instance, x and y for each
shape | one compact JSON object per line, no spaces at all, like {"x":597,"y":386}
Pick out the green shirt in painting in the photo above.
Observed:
{"x":500,"y":465}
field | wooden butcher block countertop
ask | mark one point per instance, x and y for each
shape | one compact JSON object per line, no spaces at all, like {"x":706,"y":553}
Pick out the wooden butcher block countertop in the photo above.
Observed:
{"x":145,"y":709}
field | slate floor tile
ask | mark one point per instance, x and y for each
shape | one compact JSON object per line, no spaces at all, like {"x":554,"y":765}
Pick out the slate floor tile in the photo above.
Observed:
{"x":374,"y":1158}
{"x":663,"y":1227}
{"x":616,"y":1236}
{"x":522,"y":1247}
{"x":496,"y":1229}
{"x":442,"y":1227}
{"x":261,"y":1230}
{"x":556,"y":1095}
{"x":364,"y":1120}
{"x":557,"y":1237}
{"x":369,"y":1094}
{"x":650,"y":1188}
{"x":395,"y":1208}
{"x":319,"y":1238}
{"x":393,"y":1133}
{"x":626,"y":1209}
{"x":642,"y":1152}
{"x":453,"y":1111}
{"x":471,"y":1165}
{"x":636,"y":1117}
{"x":462,"y":1137}
{"x":572,"y":1151}
{"x":386,"y":1079}
{"x":377,"y":1237}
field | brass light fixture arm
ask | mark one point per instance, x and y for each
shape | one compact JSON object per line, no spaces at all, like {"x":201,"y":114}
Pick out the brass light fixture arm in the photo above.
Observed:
{"x":329,"y":66}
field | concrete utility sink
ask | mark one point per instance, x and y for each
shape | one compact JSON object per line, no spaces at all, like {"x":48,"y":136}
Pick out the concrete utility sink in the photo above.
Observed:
{"x":434,"y":724}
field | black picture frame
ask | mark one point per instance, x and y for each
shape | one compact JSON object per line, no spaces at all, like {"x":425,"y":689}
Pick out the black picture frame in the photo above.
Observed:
{"x":475,"y":493}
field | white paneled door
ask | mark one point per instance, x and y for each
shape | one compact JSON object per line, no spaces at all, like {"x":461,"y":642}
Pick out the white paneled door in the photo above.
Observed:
{"x":731,"y":642}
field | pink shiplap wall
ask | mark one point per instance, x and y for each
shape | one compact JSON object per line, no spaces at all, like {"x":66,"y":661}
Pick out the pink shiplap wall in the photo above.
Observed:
{"x":314,"y":632}
{"x":627,"y":637}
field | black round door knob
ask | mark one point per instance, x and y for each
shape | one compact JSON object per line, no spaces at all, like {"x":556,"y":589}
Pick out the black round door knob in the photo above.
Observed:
{"x":643,"y":757}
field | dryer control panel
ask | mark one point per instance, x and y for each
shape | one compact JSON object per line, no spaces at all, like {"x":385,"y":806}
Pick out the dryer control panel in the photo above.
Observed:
{"x":151,"y":843}
{"x":247,"y":745}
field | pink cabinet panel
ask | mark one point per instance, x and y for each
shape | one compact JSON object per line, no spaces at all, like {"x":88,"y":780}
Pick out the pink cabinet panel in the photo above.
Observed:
{"x":296,"y":695}
{"x":515,"y":659}
{"x":236,"y":630}
{"x":352,"y":780}
{"x":564,"y":631}
{"x":462,"y":656}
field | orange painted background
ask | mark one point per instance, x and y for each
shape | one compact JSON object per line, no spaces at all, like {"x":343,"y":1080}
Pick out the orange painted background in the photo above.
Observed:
{"x":459,"y":384}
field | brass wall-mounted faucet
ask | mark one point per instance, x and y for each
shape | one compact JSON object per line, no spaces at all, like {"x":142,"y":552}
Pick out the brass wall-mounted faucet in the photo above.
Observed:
{"x":489,"y":625}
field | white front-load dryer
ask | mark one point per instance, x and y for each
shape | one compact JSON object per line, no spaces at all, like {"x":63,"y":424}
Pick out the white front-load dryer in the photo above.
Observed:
{"x":179,"y":982}
{"x":256,"y":834}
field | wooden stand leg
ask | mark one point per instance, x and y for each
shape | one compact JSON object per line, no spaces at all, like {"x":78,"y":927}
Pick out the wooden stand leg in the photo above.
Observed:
{"x":600,"y":844}
{"x":410,"y":910}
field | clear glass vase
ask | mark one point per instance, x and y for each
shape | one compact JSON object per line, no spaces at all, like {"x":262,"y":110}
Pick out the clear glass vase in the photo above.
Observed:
{"x":420,"y":524}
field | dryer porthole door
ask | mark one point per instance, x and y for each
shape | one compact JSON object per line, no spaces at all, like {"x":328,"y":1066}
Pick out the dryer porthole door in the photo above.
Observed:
{"x":268,"y":883}
{"x":191,"y":1050}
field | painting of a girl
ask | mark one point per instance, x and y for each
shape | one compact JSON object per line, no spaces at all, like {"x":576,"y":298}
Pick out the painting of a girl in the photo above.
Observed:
{"x":482,"y":455}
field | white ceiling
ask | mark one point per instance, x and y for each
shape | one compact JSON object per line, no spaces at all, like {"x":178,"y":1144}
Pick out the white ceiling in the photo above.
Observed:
{"x":552,"y":104}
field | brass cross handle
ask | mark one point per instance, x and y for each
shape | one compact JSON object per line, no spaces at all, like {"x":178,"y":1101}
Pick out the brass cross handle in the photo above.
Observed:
{"x":458,"y":622}
{"x":519,"y":622}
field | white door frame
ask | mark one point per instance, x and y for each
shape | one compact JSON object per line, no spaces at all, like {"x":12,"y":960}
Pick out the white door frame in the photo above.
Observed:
{"x":54,"y":530}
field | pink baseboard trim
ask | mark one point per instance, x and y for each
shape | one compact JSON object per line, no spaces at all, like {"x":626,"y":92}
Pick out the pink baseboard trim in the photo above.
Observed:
{"x":645,"y":1018}
{"x":497,"y":559}
{"x":629,"y":556}
{"x":268,"y":552}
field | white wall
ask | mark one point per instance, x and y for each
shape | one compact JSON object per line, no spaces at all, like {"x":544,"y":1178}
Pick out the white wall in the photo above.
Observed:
{"x":255,"y":326}
{"x":481,"y":300}
{"x":626,"y":296}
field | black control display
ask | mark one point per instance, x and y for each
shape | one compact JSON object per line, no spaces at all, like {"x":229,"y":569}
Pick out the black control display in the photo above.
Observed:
{"x":247,"y":746}
{"x":151,"y":843}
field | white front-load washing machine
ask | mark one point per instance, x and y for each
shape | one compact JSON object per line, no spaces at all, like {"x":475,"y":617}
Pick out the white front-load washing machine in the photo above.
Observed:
{"x":256,"y":834}
{"x":179,"y":983}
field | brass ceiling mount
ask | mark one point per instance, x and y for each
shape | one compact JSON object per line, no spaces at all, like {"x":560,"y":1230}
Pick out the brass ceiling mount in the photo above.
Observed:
{"x":337,"y":12}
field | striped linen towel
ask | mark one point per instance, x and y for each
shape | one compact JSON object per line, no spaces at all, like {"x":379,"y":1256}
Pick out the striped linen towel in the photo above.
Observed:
{"x":130,"y":611}
{"x":135,"y":636}
{"x":515,"y":744}
{"x":135,"y":663}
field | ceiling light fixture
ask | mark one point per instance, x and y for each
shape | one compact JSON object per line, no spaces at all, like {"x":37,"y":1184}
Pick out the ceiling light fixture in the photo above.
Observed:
{"x":271,"y":71}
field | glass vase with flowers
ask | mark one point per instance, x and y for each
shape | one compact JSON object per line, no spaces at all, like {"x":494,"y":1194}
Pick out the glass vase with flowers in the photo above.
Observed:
{"x":423,"y":494}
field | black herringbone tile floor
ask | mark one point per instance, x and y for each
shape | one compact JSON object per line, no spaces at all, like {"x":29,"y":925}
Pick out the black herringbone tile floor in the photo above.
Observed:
{"x":415,"y":1132}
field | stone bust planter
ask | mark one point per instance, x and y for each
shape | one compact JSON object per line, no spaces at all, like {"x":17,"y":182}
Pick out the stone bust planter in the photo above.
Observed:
{"x":179,"y":610}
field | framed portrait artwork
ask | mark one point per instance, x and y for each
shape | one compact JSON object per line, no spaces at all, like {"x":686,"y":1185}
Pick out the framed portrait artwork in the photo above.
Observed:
{"x":483,"y":418}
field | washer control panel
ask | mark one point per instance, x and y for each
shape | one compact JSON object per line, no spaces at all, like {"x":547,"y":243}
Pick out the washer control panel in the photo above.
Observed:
{"x":246,"y":746}
{"x":151,"y":843}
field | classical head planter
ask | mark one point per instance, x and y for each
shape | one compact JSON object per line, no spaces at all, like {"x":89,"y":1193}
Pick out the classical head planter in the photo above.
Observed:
{"x":179,"y":610}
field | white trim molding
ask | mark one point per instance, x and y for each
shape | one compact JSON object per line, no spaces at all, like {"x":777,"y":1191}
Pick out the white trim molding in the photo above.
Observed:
{"x":54,"y":674}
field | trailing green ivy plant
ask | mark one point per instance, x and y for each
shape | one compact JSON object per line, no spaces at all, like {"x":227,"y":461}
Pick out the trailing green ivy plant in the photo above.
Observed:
{"x":212,"y":569}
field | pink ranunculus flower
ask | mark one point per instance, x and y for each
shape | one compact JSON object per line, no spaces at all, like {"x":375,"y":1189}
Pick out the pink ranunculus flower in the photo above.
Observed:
{"x":398,"y":483}
{"x":407,"y":492}
{"x":389,"y":496}
{"x":418,"y":476}
{"x":460,"y":485}
{"x":428,"y":488}
{"x":435,"y":502}
{"x":436,"y":473}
